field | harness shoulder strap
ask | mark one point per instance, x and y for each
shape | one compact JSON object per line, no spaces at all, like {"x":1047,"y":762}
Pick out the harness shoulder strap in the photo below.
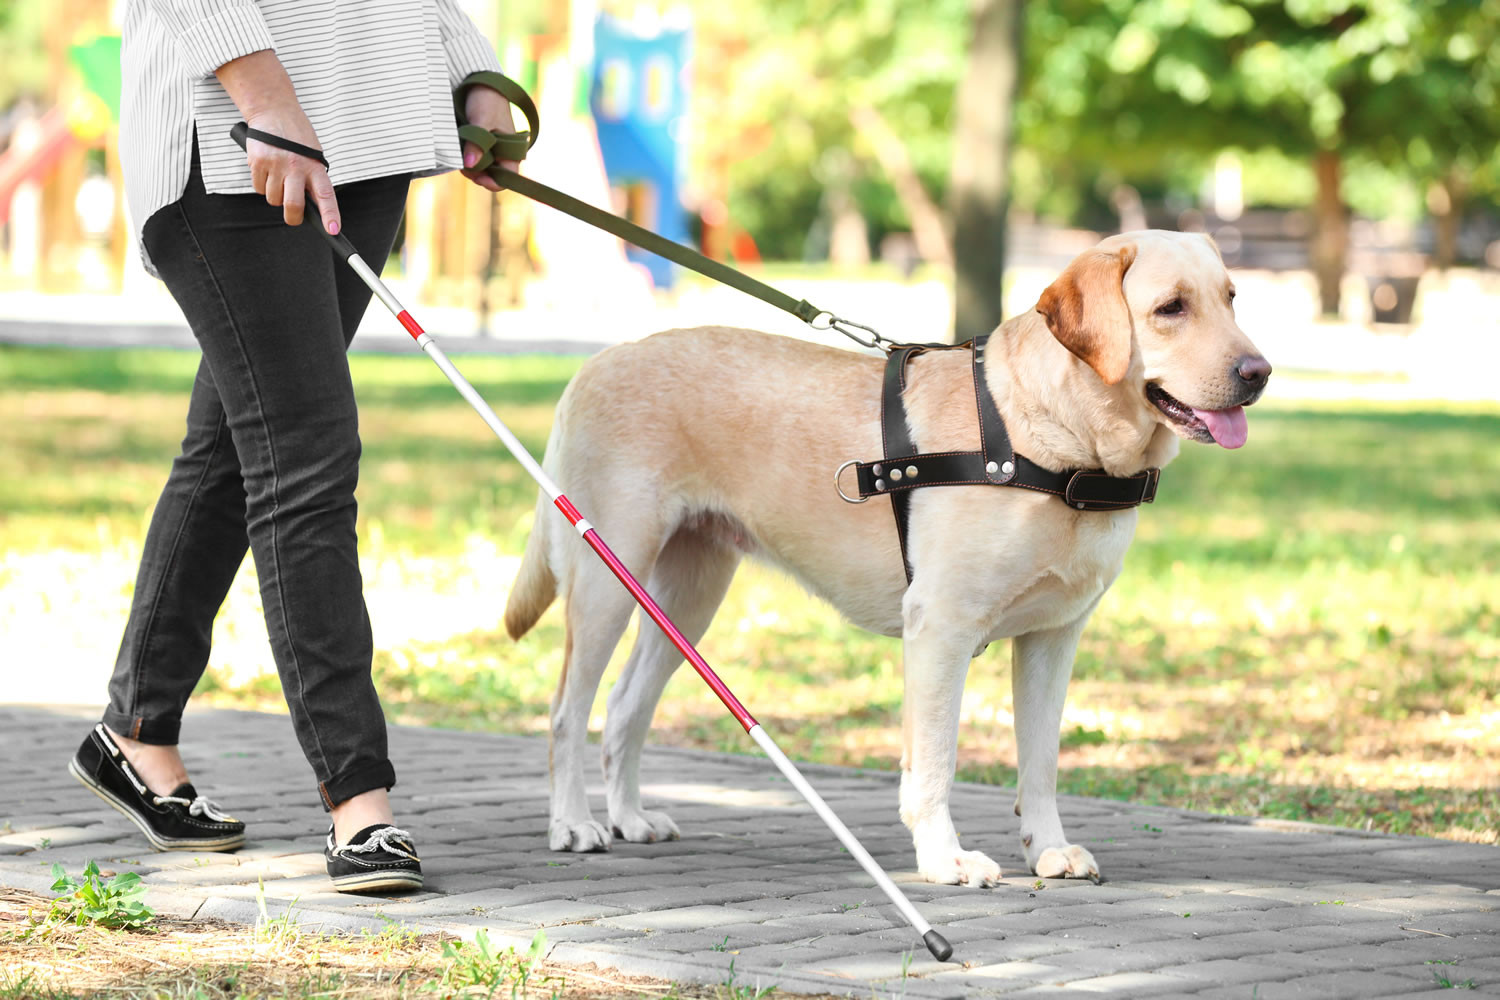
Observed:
{"x":895,"y":433}
{"x":994,"y":441}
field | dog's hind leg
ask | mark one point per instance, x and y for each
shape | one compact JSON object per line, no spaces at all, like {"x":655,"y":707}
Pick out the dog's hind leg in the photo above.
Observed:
{"x":689,"y":580}
{"x":598,"y":610}
{"x":1042,"y":664}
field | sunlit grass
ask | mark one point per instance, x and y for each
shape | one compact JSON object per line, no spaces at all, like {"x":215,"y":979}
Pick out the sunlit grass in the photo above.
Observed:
{"x":1307,"y":629}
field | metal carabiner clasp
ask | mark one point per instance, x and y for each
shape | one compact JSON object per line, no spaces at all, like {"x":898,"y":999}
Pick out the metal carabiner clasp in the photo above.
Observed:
{"x":828,"y":321}
{"x":838,"y":474}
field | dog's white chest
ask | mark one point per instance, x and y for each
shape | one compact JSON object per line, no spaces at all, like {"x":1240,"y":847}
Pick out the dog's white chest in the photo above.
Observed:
{"x":1056,"y":579}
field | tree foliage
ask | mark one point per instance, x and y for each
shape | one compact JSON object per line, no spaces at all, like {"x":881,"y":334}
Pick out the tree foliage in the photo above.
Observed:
{"x":23,"y":62}
{"x":1146,"y":92}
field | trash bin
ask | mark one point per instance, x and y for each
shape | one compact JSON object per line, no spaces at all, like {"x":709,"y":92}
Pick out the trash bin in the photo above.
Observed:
{"x":1392,"y":297}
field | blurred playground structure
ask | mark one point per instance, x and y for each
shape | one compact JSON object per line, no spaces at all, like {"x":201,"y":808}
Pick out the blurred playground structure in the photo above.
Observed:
{"x":623,"y":102}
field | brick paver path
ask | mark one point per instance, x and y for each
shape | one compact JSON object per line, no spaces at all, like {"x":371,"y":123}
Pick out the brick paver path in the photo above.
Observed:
{"x":1193,"y":905}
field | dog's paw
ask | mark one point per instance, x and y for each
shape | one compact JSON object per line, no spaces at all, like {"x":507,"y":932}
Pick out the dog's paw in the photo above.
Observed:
{"x":1070,"y":861}
{"x":580,"y":838}
{"x":963,"y":868}
{"x":645,"y":827}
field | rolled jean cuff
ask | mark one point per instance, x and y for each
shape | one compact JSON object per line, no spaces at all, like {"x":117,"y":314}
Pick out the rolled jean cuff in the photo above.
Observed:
{"x":157,"y":732}
{"x":357,"y":780}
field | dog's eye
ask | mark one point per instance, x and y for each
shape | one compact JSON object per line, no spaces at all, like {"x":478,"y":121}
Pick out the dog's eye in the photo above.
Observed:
{"x":1170,"y":309}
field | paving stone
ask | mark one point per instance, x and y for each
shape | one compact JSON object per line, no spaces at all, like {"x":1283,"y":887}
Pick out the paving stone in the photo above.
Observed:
{"x":1135,"y":984}
{"x":1359,"y":984}
{"x":1227,"y":971}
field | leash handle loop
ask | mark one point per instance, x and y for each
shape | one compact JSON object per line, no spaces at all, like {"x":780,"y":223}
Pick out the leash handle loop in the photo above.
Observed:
{"x":496,"y":146}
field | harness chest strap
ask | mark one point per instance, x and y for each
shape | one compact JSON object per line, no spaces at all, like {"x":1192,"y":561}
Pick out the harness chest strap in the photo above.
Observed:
{"x":903,"y":469}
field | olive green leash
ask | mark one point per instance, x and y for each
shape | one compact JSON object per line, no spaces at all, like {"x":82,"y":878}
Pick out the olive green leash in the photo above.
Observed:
{"x":499,"y":147}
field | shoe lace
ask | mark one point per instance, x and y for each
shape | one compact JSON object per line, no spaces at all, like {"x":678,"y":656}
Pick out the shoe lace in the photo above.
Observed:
{"x":200,"y":806}
{"x":388,"y":839}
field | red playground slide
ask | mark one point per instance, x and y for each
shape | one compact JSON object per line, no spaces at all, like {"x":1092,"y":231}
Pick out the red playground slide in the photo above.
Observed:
{"x":18,"y":166}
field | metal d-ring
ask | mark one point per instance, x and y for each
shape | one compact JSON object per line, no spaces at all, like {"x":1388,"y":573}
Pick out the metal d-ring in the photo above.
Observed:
{"x":840,"y":472}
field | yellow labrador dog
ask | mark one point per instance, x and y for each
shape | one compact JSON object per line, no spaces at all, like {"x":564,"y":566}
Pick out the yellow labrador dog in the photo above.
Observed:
{"x":694,"y":448}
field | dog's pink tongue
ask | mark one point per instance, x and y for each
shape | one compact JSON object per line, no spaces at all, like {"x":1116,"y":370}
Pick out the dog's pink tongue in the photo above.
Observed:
{"x":1228,"y":427}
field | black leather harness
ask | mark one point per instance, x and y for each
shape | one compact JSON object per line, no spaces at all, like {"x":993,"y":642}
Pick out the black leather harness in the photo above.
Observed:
{"x":902,"y":469}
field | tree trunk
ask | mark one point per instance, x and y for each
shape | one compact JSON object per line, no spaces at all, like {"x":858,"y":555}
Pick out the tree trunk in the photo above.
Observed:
{"x":929,"y":229}
{"x":1452,"y":190}
{"x":1330,"y":246}
{"x":979,"y":194}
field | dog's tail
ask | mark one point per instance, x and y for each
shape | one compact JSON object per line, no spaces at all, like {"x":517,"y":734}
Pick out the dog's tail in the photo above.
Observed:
{"x":535,"y":587}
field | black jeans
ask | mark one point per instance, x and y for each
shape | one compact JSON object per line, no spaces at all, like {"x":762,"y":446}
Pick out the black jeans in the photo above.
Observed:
{"x":271,"y":458}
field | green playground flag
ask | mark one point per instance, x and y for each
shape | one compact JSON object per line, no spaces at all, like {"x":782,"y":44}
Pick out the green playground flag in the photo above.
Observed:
{"x":98,"y":62}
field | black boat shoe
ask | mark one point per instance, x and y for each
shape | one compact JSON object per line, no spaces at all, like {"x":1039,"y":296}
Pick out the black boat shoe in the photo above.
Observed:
{"x":379,"y":858}
{"x":182,"y":821}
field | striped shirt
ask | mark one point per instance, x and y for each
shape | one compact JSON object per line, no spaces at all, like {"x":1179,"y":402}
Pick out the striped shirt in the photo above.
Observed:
{"x":375,"y":78}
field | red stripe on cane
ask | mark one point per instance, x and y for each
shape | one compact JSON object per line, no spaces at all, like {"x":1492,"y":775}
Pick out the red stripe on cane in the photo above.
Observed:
{"x":410,"y":324}
{"x":656,"y":614}
{"x":569,"y":511}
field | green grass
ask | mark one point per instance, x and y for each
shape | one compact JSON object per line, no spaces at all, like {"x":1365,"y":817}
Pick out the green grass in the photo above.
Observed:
{"x":1308,"y":628}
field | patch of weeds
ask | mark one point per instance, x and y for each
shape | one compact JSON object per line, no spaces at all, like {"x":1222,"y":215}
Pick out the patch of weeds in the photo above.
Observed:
{"x":1444,"y":983}
{"x":846,"y":907}
{"x":1329,"y":902}
{"x":282,"y":930}
{"x":115,"y":904}
{"x":26,"y":987}
{"x":481,"y":965}
{"x":44,"y":843}
{"x":1078,"y":736}
{"x":1147,"y":827}
{"x":721,"y":945}
{"x":733,"y":991}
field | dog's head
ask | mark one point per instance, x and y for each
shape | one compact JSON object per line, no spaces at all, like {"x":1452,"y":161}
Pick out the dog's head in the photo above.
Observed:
{"x":1155,"y":310}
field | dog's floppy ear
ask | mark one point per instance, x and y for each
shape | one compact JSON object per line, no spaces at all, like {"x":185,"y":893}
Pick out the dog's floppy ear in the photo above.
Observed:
{"x":1085,"y":310}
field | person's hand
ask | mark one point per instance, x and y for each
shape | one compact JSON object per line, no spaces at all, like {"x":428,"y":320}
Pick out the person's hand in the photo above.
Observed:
{"x":483,"y":106}
{"x":287,"y":178}
{"x":263,"y":92}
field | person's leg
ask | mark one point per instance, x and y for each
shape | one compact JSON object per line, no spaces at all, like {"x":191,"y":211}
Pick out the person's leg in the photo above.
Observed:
{"x":194,"y":546}
{"x":261,"y":299}
{"x":197,"y":537}
{"x":371,"y":214}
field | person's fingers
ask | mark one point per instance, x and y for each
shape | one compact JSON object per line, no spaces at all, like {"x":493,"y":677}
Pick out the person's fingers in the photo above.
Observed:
{"x":322,"y":195}
{"x":482,"y":179}
{"x":275,"y":183}
{"x":293,"y":197}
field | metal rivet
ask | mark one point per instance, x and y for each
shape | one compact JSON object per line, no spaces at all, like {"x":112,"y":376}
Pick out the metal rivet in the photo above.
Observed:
{"x":1079,"y":505}
{"x":1008,"y":468}
{"x":991,"y":468}
{"x":880,"y":484}
{"x":878,"y":470}
{"x":895,"y":475}
{"x":911,"y":472}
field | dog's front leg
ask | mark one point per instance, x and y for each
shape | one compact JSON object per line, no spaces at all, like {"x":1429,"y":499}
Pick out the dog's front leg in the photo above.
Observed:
{"x":936,"y":658}
{"x":1042,"y":663}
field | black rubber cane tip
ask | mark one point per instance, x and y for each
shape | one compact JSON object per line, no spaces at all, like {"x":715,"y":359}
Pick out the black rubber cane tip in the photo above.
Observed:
{"x":938,"y":945}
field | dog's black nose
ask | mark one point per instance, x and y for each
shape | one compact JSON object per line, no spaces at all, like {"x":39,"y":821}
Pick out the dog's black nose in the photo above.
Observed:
{"x":1253,"y":370}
